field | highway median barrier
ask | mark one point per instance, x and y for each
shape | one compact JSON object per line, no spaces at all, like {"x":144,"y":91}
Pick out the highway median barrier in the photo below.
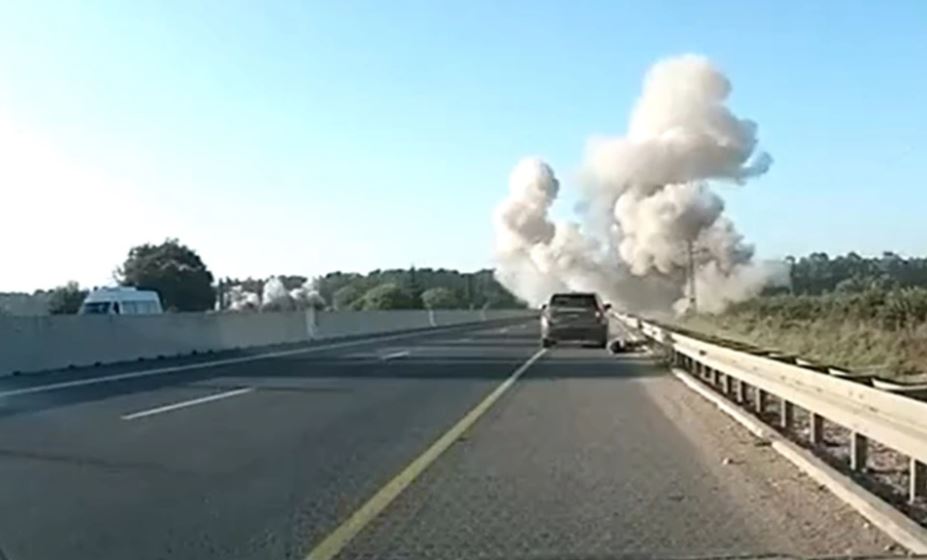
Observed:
{"x":43,"y":343}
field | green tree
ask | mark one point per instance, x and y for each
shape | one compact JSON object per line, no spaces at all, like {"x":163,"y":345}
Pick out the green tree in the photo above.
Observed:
{"x":440,"y":298}
{"x":850,"y":285}
{"x":346,"y":296}
{"x":334,"y":281}
{"x":474,"y":289}
{"x":387,"y":296}
{"x":67,"y":299}
{"x":415,"y":288}
{"x":292,"y":281}
{"x":173,"y":270}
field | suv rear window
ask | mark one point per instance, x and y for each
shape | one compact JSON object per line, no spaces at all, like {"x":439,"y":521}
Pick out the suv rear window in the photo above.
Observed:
{"x":574,"y":300}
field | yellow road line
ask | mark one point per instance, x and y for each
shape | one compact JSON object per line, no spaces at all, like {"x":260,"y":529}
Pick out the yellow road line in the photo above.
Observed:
{"x":342,"y":535}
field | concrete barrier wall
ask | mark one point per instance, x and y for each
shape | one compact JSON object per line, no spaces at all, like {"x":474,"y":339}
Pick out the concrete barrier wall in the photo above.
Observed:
{"x":353,"y":323}
{"x":457,"y":316}
{"x":30,"y":344}
{"x":51,"y":342}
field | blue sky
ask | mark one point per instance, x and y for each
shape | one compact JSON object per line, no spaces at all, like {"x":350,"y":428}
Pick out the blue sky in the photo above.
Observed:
{"x":306,"y":137}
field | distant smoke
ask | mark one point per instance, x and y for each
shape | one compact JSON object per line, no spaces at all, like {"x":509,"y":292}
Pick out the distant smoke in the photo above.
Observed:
{"x":275,"y":297}
{"x":646,"y":195}
{"x":241,"y":300}
{"x":307,"y":296}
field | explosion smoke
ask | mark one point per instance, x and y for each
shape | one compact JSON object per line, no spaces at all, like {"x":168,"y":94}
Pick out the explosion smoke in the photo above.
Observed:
{"x":242,"y":300}
{"x":307,"y":296}
{"x":647,"y":196}
{"x":275,"y":297}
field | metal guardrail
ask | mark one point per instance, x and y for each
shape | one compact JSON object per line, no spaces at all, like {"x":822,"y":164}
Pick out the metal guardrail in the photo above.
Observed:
{"x":895,"y":421}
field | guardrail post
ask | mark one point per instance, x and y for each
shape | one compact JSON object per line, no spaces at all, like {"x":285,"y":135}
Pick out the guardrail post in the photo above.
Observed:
{"x":716,"y":377}
{"x":817,"y":429}
{"x":917,"y":485}
{"x":741,"y":391}
{"x":859,"y":450}
{"x":760,"y":402}
{"x":786,"y":414}
{"x":726,"y":384}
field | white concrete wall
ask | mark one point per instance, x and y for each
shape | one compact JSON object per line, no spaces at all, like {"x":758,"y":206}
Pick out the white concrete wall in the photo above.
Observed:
{"x":41,"y":343}
{"x":352,"y":323}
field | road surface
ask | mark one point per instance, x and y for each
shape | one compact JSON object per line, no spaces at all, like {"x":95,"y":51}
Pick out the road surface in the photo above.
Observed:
{"x":585,"y":455}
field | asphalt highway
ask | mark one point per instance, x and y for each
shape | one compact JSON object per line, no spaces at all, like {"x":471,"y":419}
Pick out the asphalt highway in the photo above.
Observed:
{"x":576,"y":453}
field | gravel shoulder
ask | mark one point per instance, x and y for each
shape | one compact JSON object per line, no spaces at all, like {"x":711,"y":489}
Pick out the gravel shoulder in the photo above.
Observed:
{"x":779,"y":499}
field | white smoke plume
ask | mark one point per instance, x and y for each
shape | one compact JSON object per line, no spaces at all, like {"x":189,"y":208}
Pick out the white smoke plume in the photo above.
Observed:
{"x":275,"y":297}
{"x":647,"y":197}
{"x":240,"y":299}
{"x":307,"y":296}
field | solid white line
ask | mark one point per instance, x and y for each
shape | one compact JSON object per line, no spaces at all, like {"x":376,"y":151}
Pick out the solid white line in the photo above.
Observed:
{"x":331,"y":545}
{"x":401,"y":354}
{"x":185,"y":404}
{"x":200,"y":365}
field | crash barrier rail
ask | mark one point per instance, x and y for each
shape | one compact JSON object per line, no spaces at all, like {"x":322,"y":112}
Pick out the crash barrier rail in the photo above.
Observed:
{"x":30,"y":344}
{"x":895,"y":421}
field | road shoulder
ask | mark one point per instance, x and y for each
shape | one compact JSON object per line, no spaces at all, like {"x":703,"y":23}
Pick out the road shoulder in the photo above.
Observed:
{"x":759,"y":478}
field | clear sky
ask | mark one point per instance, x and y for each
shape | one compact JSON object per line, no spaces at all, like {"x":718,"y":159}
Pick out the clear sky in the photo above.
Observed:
{"x":305,"y":137}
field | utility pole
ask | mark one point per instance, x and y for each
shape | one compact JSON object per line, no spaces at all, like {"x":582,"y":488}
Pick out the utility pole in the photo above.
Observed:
{"x":693,"y":302}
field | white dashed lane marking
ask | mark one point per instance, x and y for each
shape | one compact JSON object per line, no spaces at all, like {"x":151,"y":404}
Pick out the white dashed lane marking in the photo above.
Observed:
{"x":187,"y":404}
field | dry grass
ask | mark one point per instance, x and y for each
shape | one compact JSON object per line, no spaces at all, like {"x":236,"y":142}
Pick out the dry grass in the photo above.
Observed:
{"x":842,"y":339}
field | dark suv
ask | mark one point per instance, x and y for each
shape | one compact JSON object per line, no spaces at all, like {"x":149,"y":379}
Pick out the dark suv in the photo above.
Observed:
{"x":577,"y":316}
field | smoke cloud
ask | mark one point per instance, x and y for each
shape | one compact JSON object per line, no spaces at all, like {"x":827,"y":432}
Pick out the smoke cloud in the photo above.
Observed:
{"x":307,"y":296}
{"x":647,"y":196}
{"x":275,"y":297}
{"x":240,"y":299}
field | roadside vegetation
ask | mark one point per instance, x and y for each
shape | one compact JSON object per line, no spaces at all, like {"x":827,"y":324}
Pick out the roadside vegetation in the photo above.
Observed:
{"x":185,"y":283}
{"x":864,"y":314}
{"x":415,"y":288}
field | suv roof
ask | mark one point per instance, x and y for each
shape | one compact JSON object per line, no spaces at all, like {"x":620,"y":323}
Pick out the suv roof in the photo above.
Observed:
{"x":574,"y":299}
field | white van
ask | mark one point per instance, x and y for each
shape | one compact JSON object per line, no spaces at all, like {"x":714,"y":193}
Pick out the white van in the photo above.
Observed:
{"x":121,"y":301}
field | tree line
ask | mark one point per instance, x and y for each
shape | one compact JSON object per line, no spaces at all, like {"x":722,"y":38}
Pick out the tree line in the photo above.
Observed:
{"x":818,"y":273}
{"x":889,"y":309}
{"x":184,"y":283}
{"x":410,"y":288}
